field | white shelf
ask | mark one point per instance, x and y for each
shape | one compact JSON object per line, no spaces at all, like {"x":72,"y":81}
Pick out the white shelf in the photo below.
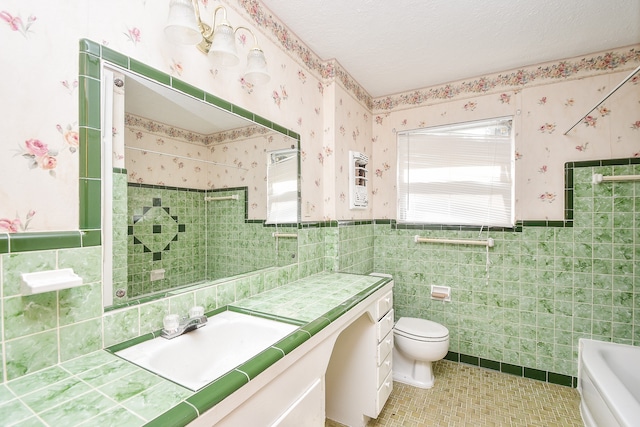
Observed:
{"x":47,"y":281}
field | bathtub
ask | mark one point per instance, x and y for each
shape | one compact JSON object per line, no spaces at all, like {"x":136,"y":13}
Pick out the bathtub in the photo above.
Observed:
{"x":609,"y":383}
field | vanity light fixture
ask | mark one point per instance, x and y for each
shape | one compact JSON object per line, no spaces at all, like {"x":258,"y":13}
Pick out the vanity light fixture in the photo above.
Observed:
{"x":184,"y":26}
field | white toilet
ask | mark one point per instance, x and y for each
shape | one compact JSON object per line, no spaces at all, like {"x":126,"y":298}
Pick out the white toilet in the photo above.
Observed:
{"x":418,"y":343}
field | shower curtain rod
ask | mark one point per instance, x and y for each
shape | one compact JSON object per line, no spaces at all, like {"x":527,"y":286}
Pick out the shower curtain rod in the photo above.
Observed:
{"x":185,"y":157}
{"x":605,"y":98}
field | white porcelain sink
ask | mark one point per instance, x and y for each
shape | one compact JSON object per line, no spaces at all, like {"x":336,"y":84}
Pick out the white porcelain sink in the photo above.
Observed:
{"x":198,"y":357}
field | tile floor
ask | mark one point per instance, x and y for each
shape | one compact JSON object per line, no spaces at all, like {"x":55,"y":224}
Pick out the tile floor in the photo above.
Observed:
{"x":471,"y":396}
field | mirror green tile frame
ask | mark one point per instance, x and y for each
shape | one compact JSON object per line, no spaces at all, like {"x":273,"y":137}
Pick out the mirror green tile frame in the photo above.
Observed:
{"x":92,"y":58}
{"x":89,"y":232}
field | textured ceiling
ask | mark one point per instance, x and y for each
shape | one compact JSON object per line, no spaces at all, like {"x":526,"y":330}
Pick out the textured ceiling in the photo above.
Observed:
{"x":396,"y":46}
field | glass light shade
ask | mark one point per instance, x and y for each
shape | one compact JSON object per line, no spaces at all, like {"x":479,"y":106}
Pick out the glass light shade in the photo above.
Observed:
{"x":257,"y":73}
{"x":182,"y":26}
{"x":223,"y":46}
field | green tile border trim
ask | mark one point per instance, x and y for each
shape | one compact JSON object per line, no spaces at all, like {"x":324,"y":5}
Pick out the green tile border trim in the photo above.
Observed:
{"x":40,"y":241}
{"x":260,"y":362}
{"x":569,"y":169}
{"x":318,"y":224}
{"x":204,"y":192}
{"x":449,"y":227}
{"x":220,"y":388}
{"x":4,"y":243}
{"x":166,"y":187}
{"x":569,"y":189}
{"x":214,"y":393}
{"x":520,"y":371}
{"x":89,"y":47}
{"x":214,"y":191}
{"x":107,"y":54}
{"x":133,"y":341}
{"x":178,"y":416}
{"x":151,"y":335}
{"x":267,"y":316}
{"x":355,"y":222}
{"x":316,"y":326}
{"x":90,"y":221}
{"x":292,"y":341}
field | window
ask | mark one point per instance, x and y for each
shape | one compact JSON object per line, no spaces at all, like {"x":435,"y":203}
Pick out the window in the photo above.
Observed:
{"x":282,"y":187}
{"x":458,"y":174}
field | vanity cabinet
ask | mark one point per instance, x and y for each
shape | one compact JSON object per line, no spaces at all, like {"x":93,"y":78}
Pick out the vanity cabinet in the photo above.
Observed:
{"x":342,"y":372}
{"x":359,"y":377}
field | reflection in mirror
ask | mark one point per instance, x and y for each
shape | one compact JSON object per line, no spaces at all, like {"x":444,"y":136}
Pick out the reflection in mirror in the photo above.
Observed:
{"x":282,"y":186}
{"x":188,"y":201}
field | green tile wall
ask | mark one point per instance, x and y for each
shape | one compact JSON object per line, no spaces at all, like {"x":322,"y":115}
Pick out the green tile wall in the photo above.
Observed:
{"x":355,"y":252}
{"x":60,"y":325}
{"x":167,"y":230}
{"x":311,"y":250}
{"x":119,"y":245}
{"x":543,"y":289}
{"x":216,"y":240}
{"x":236,"y":246}
{"x":67,"y":324}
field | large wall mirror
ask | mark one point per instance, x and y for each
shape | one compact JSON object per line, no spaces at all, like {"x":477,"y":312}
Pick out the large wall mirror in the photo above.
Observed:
{"x":188,"y":198}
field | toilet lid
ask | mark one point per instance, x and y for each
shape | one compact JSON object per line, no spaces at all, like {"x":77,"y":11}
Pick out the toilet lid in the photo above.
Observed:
{"x":421,"y":328}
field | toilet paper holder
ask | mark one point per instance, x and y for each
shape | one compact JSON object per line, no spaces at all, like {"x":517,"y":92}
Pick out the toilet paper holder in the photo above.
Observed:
{"x":441,"y":293}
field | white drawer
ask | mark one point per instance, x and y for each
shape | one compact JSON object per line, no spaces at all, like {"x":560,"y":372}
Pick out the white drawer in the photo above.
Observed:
{"x":384,"y":304}
{"x":383,"y":393}
{"x":385,"y":347}
{"x":385,"y":325}
{"x":384,"y":369}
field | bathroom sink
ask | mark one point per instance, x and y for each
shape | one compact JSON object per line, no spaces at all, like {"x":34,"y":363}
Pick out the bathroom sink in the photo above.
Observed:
{"x":198,"y":357}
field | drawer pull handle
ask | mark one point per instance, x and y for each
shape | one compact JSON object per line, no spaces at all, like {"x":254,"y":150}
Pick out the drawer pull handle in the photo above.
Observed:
{"x":387,"y":300}
{"x":387,"y":363}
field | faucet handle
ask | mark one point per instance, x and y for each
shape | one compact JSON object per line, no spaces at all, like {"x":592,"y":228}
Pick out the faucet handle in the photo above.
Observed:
{"x":196,"y":311}
{"x":171,"y":322}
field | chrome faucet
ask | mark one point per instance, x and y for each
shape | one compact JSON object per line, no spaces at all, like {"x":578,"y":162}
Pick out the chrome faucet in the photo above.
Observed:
{"x":184,"y":325}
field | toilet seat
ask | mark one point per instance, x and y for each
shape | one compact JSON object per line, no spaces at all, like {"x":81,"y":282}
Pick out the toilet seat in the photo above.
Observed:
{"x":421,"y":329}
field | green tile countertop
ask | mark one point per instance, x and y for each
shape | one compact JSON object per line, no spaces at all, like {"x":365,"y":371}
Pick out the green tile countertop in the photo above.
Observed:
{"x":103,"y":389}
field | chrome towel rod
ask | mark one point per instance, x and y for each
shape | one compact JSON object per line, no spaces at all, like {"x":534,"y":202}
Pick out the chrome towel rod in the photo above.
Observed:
{"x":489,"y":242}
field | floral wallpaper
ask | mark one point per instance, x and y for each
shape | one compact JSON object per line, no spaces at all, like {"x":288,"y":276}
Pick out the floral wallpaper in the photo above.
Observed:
{"x":38,"y":148}
{"x":353,"y":133}
{"x":159,"y":154}
{"x":315,"y":98}
{"x":543,"y":113}
{"x":541,"y":120}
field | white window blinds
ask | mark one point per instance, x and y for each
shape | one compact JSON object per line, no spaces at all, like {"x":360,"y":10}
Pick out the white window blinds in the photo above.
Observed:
{"x":459,"y":174}
{"x":282,"y":187}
